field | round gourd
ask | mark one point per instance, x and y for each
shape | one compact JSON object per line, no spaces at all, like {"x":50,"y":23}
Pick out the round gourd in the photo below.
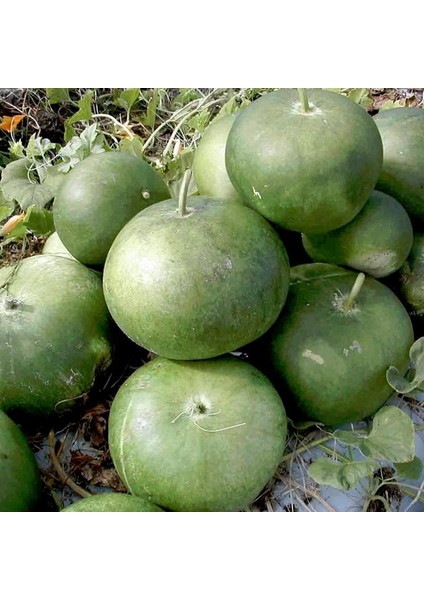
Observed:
{"x":402,"y":175}
{"x":307,"y":168}
{"x":197,"y":435}
{"x":331,"y":347}
{"x":55,"y":334}
{"x":98,"y":197}
{"x":54,"y":245}
{"x":112,"y":502}
{"x":377,"y":241}
{"x":209,"y":171}
{"x":199,"y":285}
{"x":19,"y":475}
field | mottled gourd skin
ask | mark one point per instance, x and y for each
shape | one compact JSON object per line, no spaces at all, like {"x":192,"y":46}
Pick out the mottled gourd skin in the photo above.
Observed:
{"x":333,"y":363}
{"x":209,"y":171}
{"x":308,"y":172}
{"x":410,"y":283}
{"x":54,"y":334}
{"x":377,"y":241}
{"x":197,"y":286}
{"x":54,"y":245}
{"x":402,"y":175}
{"x":98,"y":197}
{"x":197,"y":436}
{"x":112,"y":502}
{"x":19,"y":475}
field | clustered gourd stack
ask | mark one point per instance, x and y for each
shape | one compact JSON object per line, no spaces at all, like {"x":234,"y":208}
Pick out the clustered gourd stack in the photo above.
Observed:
{"x":300,"y":176}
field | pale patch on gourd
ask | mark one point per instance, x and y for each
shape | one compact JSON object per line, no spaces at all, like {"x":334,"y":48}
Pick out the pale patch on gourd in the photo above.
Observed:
{"x":313,"y":109}
{"x":377,"y":264}
{"x":355,"y":345}
{"x":315,"y":357}
{"x":146,"y":194}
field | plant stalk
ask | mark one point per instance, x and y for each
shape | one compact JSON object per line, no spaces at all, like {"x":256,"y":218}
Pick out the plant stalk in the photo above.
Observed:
{"x":304,"y":100}
{"x":356,"y":288}
{"x":182,"y":196}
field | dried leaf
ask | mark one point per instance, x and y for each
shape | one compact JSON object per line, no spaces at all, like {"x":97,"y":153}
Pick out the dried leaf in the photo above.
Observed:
{"x":9,"y":124}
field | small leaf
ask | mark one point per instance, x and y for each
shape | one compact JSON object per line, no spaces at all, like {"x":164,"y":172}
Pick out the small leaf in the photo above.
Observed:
{"x":410,"y":470}
{"x":343,"y":476}
{"x":358,"y":95}
{"x":57,"y":95}
{"x":200,"y":120}
{"x":128,"y":98}
{"x":17,"y":184}
{"x":9,"y":124}
{"x":5,"y":211}
{"x":133,"y":146}
{"x":39,"y":220}
{"x":83,"y":114}
{"x":403,"y":385}
{"x":392,"y":436}
{"x":150,"y":118}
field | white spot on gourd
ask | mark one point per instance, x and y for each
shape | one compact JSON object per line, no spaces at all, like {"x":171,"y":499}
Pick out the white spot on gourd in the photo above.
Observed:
{"x":355,"y":345}
{"x":256,"y":193}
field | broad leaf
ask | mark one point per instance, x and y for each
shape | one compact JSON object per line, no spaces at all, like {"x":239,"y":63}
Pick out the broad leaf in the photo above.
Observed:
{"x":360,"y":96}
{"x":57,"y":95}
{"x":128,"y":98}
{"x":83,"y":114}
{"x":343,"y":476}
{"x":392,"y":436}
{"x":17,"y":184}
{"x":39,"y":220}
{"x":133,"y":146}
{"x":404,"y":385}
{"x":410,"y":470}
{"x":5,"y":211}
{"x":350,"y":438}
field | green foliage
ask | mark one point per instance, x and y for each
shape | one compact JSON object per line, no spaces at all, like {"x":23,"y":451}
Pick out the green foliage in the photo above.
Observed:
{"x":391,"y":438}
{"x":410,"y":470}
{"x":39,"y":221}
{"x":413,"y":383}
{"x":127,"y":98}
{"x":57,"y":95}
{"x":342,"y":476}
{"x":83,"y":113}
{"x":81,"y":146}
{"x":18,"y":184}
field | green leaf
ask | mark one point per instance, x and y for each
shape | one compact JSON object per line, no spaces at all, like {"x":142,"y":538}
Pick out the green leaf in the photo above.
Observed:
{"x":128,"y":98}
{"x":83,"y":114}
{"x":350,"y":438}
{"x":392,"y":436}
{"x":358,"y":95}
{"x":39,"y":220}
{"x":410,"y":470}
{"x":17,"y":184}
{"x":343,"y":476}
{"x":57,"y":95}
{"x":199,"y":121}
{"x":133,"y":146}
{"x":150,"y":119}
{"x":5,"y":211}
{"x":404,"y":385}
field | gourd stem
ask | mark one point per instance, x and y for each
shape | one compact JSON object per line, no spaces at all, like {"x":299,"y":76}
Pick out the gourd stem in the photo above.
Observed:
{"x":304,"y":100}
{"x":356,"y":288}
{"x":182,"y":196}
